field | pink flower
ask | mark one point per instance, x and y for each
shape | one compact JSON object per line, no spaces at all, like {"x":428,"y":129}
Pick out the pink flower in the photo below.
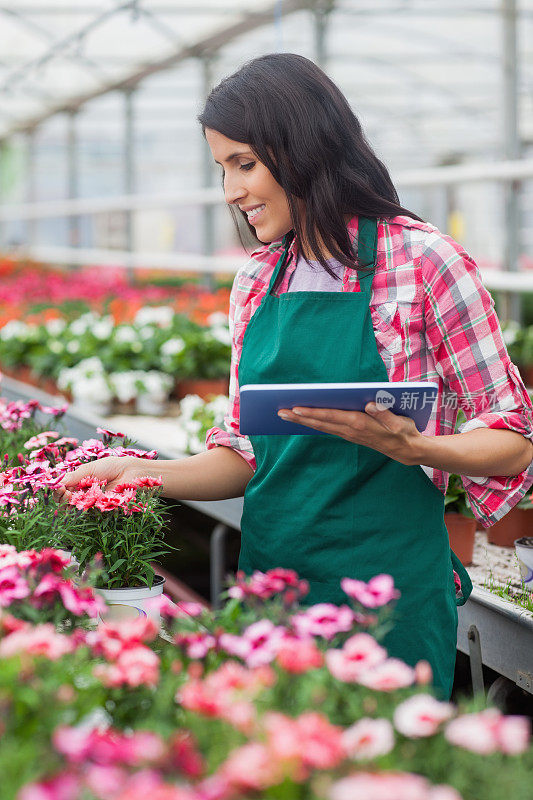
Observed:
{"x":105,"y":781}
{"x":299,"y":655}
{"x":381,"y":786}
{"x":323,"y":619}
{"x":110,"y":639}
{"x":489,"y":731}
{"x":389,"y":675}
{"x":421,"y":715}
{"x":136,"y":666}
{"x":62,"y":787}
{"x":196,"y":645}
{"x":41,"y":439}
{"x":12,"y":586}
{"x":257,"y":645}
{"x":443,"y":792}
{"x":251,"y":768}
{"x":368,"y":739}
{"x":78,"y":601}
{"x":264,"y":585}
{"x":377,"y":592}
{"x":360,"y":653}
{"x":40,"y":640}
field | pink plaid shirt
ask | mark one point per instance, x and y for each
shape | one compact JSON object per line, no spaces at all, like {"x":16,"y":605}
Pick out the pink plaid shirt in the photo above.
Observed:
{"x":433,"y":320}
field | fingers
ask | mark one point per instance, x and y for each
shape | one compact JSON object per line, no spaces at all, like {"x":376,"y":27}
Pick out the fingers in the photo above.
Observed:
{"x":393,"y":422}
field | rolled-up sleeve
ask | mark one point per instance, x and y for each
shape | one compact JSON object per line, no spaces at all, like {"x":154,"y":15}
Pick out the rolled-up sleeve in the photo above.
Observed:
{"x":229,"y":435}
{"x":464,"y":336}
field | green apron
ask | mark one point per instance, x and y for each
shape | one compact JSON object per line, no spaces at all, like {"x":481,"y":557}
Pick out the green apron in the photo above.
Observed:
{"x":329,"y":508}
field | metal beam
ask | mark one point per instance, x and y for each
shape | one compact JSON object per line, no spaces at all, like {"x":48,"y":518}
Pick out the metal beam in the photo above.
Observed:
{"x":206,"y":46}
{"x":511,"y":150}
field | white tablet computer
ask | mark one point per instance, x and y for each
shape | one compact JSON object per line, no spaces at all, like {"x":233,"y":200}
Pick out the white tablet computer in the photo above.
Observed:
{"x":260,"y":403}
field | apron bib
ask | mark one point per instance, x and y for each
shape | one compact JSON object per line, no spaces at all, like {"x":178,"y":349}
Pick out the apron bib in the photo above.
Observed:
{"x":329,"y":508}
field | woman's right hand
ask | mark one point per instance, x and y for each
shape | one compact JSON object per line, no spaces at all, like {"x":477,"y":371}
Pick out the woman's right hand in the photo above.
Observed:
{"x":113,"y":469}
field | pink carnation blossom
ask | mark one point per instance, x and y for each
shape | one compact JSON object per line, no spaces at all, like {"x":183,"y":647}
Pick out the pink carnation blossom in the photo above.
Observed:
{"x":197,"y":644}
{"x":61,"y":787}
{"x":41,"y":439}
{"x":13,"y":586}
{"x":136,"y":666}
{"x":40,"y":640}
{"x":257,"y":645}
{"x":360,"y":653}
{"x":377,"y":592}
{"x":251,"y":768}
{"x":421,"y":715}
{"x":110,"y":639}
{"x":299,"y":655}
{"x":381,"y":786}
{"x":323,"y":619}
{"x":388,"y":676}
{"x":368,"y":739}
{"x":489,"y":732}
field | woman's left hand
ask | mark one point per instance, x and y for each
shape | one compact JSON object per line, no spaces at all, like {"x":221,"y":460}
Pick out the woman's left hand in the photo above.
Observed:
{"x":395,"y":436}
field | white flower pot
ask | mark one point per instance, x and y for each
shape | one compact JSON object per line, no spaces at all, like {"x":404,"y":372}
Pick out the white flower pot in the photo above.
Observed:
{"x":151,"y":406}
{"x":128,"y":603}
{"x":524,"y":551}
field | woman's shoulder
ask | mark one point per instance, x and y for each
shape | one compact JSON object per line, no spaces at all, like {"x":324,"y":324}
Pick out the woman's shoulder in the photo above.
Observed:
{"x":258,"y":269}
{"x":403,"y":238}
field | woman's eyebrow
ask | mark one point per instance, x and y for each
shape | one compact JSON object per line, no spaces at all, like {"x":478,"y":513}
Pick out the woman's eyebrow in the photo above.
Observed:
{"x":235,"y":155}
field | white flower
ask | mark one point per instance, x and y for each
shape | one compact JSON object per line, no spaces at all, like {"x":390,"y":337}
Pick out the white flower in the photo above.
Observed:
{"x":124,"y":385}
{"x":83,"y":323}
{"x":172,"y":346}
{"x":14,"y":330}
{"x":510,"y":331}
{"x":218,"y":406}
{"x":221,"y":334}
{"x":73,"y":346}
{"x":190,"y":404}
{"x":92,"y":389}
{"x":103,"y":328}
{"x":55,"y":346}
{"x":157,"y":315}
{"x":55,"y":327}
{"x":217,"y":318}
{"x":125,"y":334}
{"x":146,"y":332}
{"x":156,"y":385}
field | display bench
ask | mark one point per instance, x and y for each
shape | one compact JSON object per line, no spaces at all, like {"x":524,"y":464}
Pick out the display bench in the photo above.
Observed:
{"x":225,"y":514}
{"x":492,"y":632}
{"x":498,"y":634}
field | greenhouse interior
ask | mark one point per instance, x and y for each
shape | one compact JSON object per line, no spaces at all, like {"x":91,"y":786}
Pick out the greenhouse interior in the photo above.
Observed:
{"x":188,"y":610}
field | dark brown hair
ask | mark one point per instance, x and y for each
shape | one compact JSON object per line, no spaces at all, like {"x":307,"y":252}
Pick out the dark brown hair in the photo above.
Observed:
{"x":301,"y":127}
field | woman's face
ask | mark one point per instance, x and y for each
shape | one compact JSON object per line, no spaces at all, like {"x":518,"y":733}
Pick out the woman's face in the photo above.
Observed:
{"x":249,"y":185}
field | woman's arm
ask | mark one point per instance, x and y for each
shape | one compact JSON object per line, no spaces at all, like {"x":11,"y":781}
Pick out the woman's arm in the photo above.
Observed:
{"x":217,"y":474}
{"x":482,"y":452}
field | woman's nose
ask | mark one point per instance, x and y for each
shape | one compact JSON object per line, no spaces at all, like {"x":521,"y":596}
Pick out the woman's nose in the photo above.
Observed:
{"x":233,"y":191}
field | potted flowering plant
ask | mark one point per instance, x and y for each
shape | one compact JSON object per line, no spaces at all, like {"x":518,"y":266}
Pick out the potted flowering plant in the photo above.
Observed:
{"x":154,"y":390}
{"x":197,"y":416}
{"x":263,"y":699}
{"x":459,"y":520}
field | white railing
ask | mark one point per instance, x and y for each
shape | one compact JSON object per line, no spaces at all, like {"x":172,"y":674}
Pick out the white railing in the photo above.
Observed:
{"x":503,"y":171}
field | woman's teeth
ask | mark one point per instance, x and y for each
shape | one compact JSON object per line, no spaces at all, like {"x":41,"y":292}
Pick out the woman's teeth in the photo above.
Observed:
{"x":254,"y":212}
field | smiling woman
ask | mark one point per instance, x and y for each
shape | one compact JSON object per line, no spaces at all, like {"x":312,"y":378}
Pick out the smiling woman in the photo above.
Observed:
{"x":349,"y":286}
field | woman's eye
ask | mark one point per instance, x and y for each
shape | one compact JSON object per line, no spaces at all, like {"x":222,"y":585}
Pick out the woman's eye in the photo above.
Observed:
{"x":248,"y":166}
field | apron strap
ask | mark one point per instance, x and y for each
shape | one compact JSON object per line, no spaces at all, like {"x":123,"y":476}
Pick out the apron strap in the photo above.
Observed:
{"x":367,"y":243}
{"x":285,"y":243}
{"x":367,"y":240}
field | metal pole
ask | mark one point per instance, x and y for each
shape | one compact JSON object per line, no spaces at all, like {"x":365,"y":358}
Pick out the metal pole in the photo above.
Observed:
{"x":511,"y":147}
{"x":320,"y":13}
{"x":73,"y":178}
{"x":208,"y":211}
{"x":31,"y":184}
{"x":129,"y":182}
{"x":3,"y":190}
